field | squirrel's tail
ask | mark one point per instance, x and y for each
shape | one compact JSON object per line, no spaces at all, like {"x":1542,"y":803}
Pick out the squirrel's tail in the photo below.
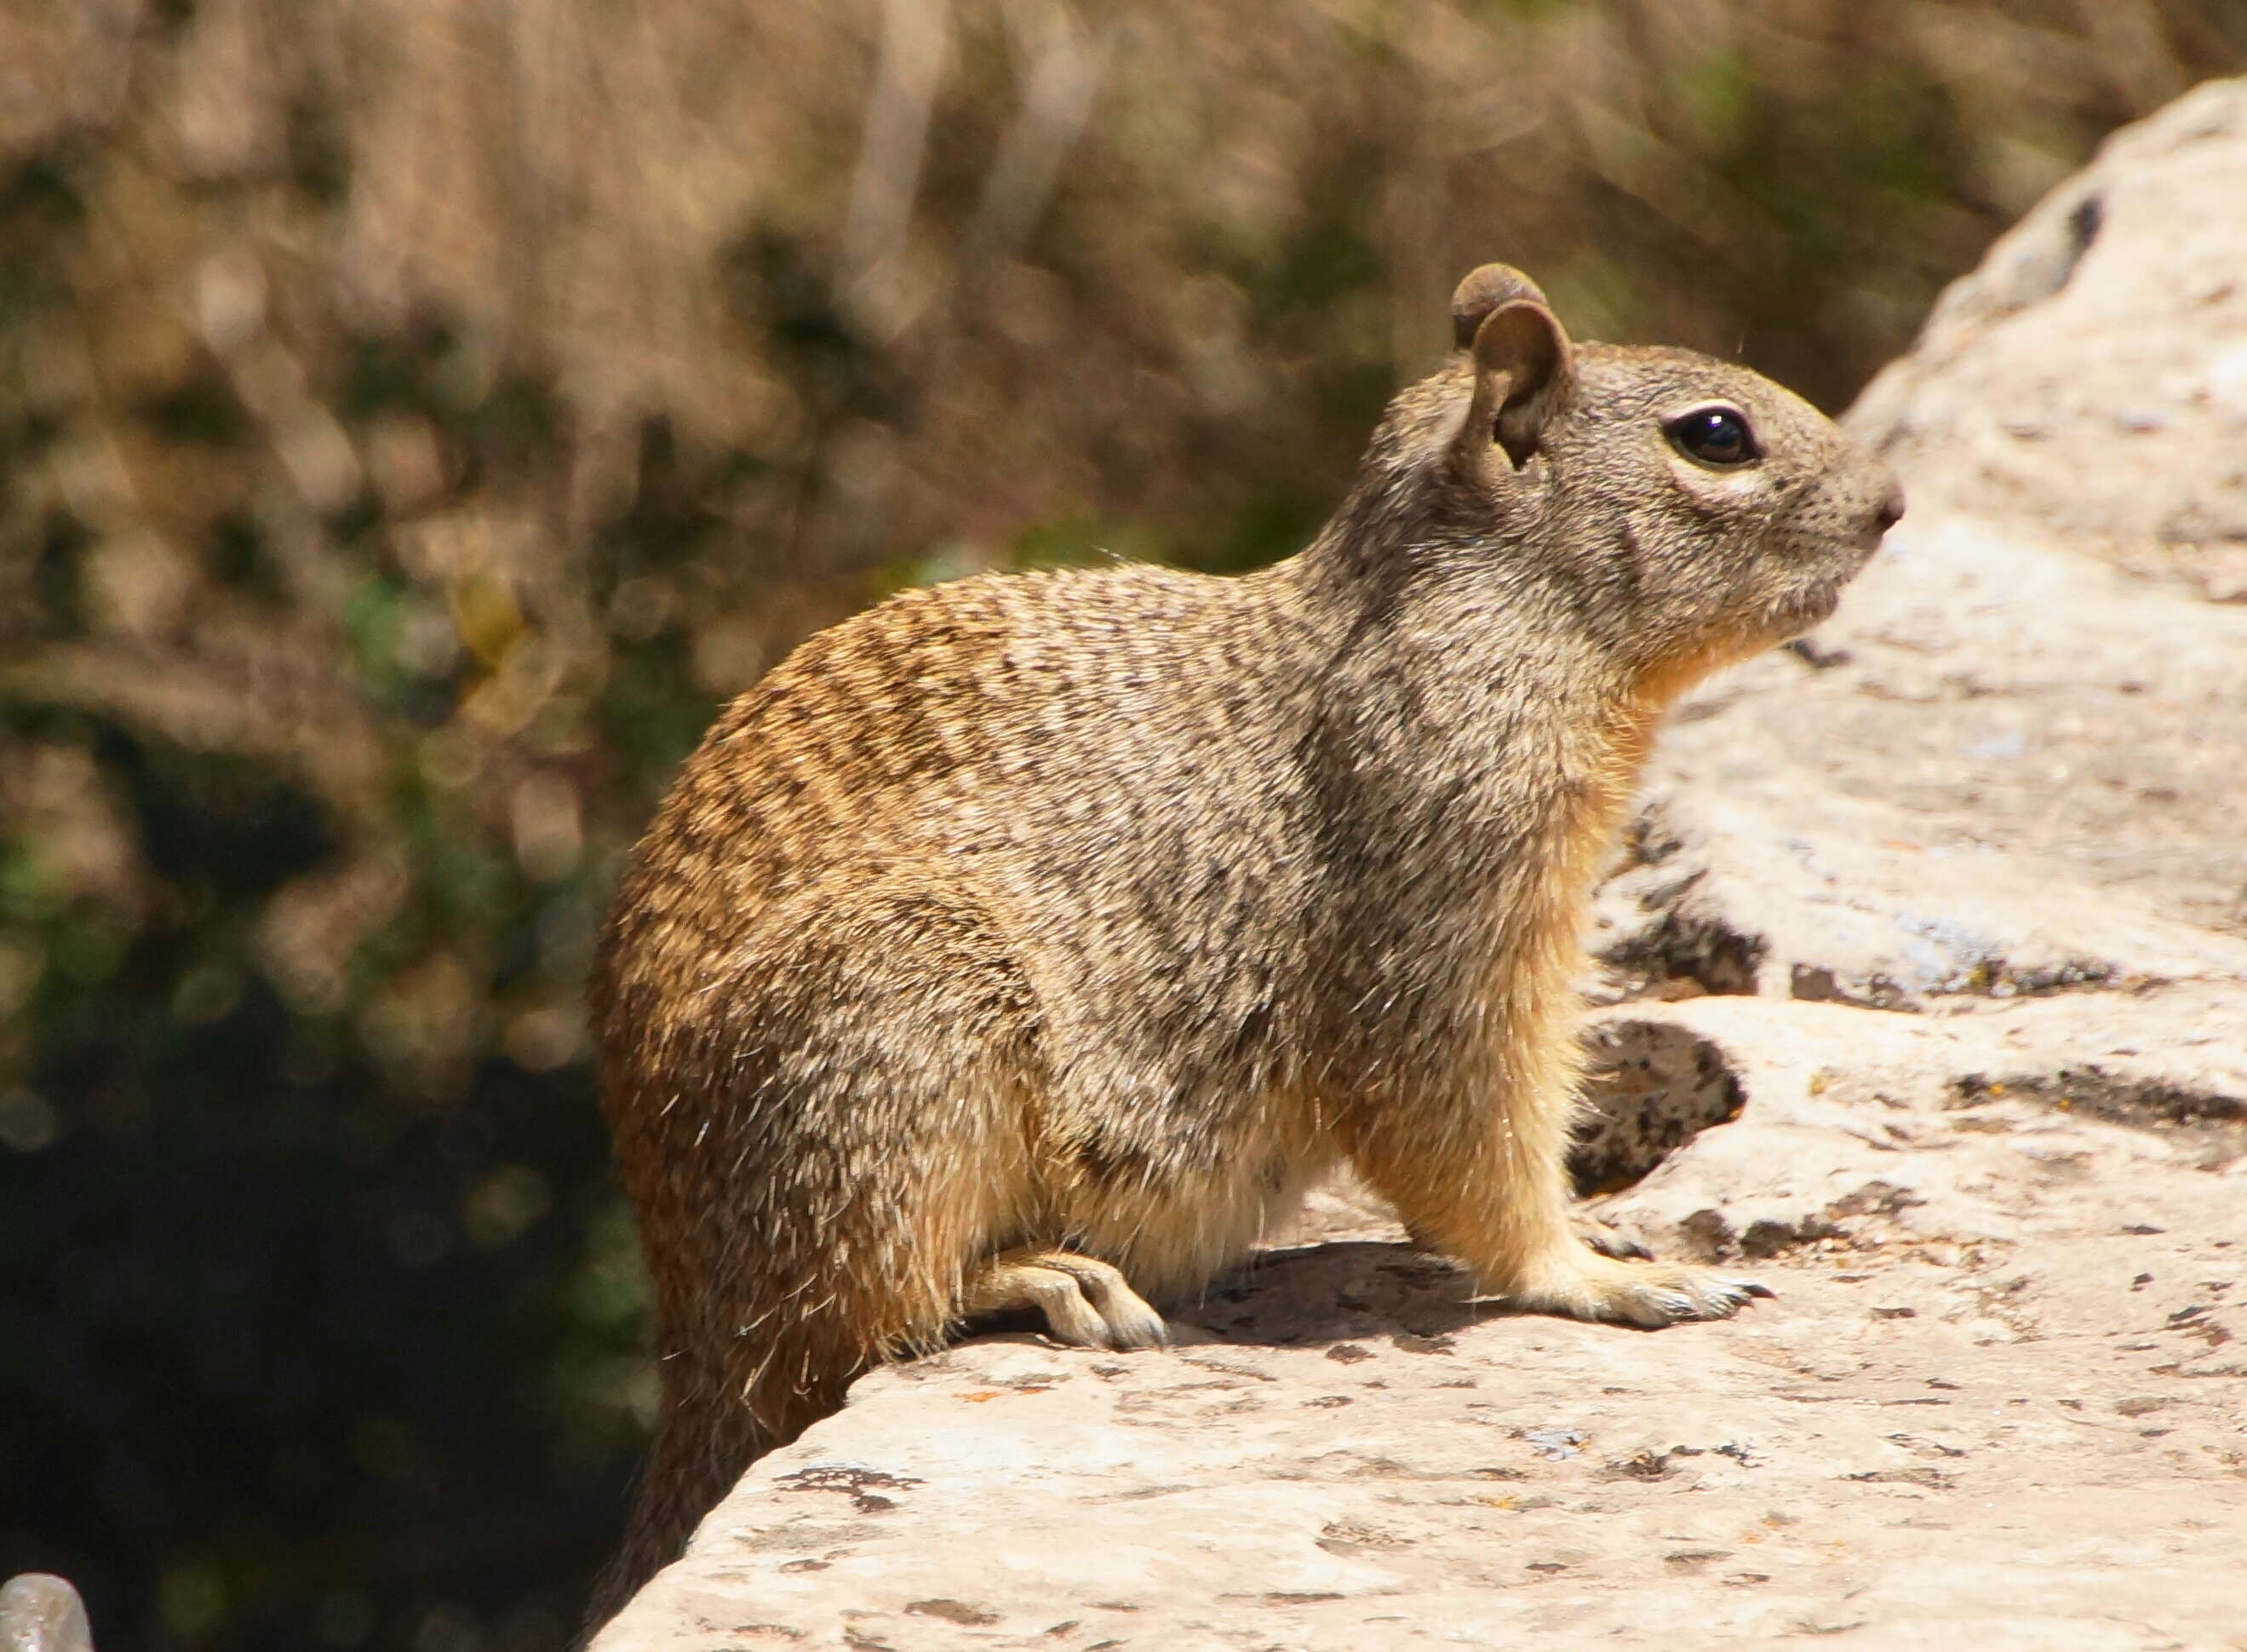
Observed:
{"x":714,"y":1424}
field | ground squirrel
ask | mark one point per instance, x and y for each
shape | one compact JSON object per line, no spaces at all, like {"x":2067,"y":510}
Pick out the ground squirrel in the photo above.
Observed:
{"x":1032,"y":940}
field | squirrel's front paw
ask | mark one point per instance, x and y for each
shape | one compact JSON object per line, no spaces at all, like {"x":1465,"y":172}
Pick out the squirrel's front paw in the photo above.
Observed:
{"x":1608,"y":1241}
{"x":1650,"y":1294}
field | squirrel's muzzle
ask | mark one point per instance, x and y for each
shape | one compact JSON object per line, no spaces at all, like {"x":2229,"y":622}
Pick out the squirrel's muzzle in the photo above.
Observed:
{"x":1891,"y":510}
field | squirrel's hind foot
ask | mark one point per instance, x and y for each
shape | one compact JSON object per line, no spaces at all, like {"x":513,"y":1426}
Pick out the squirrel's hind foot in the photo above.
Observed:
{"x":1084,"y":1301}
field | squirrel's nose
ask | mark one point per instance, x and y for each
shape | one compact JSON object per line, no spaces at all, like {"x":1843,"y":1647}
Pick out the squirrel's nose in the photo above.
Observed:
{"x":1891,"y":509}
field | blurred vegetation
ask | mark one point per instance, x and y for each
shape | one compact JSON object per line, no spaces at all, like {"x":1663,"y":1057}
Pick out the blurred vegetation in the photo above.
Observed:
{"x":416,"y":416}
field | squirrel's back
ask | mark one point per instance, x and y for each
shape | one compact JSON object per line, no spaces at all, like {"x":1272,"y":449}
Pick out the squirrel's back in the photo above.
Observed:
{"x":983,"y":719}
{"x":1107,"y":763}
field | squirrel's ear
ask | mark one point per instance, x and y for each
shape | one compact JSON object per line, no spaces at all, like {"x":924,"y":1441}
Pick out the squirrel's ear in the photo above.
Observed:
{"x":1525,"y":375}
{"x":1484,"y":291}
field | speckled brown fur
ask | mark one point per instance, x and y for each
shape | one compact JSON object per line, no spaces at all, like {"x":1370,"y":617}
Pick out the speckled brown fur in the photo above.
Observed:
{"x":1032,"y":940}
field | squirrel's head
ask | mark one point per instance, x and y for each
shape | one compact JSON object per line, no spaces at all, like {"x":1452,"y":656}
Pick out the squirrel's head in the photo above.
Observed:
{"x":1694,"y":511}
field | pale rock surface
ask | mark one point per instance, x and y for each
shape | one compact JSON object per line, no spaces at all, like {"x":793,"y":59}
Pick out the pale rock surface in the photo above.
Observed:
{"x":1926,"y":1003}
{"x":2093,"y":372}
{"x":42,"y":1613}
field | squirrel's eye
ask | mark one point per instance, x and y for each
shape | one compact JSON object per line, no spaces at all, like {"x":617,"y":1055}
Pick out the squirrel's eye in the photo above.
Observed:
{"x":1715,"y":436}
